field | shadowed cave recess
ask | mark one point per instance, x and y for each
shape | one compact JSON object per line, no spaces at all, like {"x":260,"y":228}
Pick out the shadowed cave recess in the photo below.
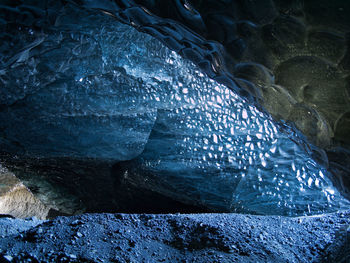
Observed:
{"x":174,"y":106}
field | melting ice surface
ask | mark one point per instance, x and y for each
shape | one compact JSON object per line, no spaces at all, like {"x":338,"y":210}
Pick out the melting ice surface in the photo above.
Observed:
{"x":104,"y":90}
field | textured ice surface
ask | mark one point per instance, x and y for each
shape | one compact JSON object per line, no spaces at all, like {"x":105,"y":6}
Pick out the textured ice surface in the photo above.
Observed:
{"x":100,"y":89}
{"x":61,"y":95}
{"x":217,"y":149}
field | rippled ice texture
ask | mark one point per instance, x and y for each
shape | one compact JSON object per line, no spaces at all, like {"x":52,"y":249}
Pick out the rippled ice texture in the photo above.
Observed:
{"x":92,"y":87}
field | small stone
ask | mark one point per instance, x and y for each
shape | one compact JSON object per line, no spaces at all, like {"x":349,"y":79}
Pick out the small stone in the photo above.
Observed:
{"x":76,"y":222}
{"x":132,"y":243}
{"x":72,"y":256}
{"x":118,"y":248}
{"x":79,"y":234}
{"x":8,"y":258}
{"x":119,"y":216}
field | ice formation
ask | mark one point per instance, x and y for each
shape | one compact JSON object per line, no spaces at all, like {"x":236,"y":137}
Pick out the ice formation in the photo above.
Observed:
{"x":101,"y":89}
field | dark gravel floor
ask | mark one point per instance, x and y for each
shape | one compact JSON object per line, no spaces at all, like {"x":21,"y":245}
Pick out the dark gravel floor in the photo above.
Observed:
{"x":177,"y":238}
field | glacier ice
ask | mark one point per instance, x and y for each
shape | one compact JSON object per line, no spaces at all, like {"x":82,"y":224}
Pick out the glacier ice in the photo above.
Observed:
{"x":91,"y":87}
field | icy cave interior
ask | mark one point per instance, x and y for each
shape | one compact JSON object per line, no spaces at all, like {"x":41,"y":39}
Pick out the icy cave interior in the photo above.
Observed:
{"x":174,"y":106}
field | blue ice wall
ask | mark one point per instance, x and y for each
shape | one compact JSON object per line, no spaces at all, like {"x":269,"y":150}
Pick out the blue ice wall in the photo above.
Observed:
{"x":91,"y":87}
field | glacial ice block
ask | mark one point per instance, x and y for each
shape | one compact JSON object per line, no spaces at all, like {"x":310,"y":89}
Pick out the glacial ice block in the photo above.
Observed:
{"x":91,"y":87}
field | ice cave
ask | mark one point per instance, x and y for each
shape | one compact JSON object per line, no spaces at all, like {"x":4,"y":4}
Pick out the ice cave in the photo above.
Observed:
{"x":175,"y":131}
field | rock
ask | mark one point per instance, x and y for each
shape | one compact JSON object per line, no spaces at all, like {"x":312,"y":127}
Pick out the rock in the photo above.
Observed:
{"x":8,"y":258}
{"x":334,"y":14}
{"x":347,"y":88}
{"x":310,"y":123}
{"x":326,"y":44}
{"x":294,"y":8}
{"x":284,"y":36}
{"x":315,"y":82}
{"x":345,"y":62}
{"x":179,"y":238}
{"x":342,"y":128}
{"x":76,"y":222}
{"x":17,"y":200}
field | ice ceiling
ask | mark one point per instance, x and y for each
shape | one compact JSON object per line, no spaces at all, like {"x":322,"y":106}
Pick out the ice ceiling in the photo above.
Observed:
{"x":89,"y":86}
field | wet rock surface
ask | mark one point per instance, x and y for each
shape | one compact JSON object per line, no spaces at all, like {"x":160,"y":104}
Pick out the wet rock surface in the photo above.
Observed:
{"x":17,"y":200}
{"x":176,"y":238}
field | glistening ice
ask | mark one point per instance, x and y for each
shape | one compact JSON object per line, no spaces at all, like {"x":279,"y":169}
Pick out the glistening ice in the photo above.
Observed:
{"x":91,"y":87}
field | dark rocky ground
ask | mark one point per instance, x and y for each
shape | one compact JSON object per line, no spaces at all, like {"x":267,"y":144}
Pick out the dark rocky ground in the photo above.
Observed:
{"x":177,"y":238}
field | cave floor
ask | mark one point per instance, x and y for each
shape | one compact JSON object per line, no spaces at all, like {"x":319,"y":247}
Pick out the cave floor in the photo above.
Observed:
{"x":176,"y":238}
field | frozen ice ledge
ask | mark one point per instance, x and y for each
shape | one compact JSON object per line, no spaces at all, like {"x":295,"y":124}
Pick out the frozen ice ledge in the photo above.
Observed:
{"x":89,"y":86}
